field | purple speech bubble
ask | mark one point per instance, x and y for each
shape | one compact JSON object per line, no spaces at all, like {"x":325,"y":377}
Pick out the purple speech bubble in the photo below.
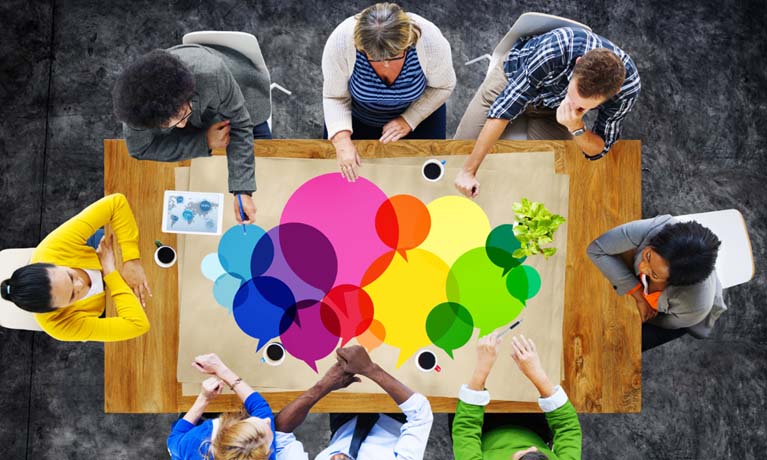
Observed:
{"x":306,"y":337}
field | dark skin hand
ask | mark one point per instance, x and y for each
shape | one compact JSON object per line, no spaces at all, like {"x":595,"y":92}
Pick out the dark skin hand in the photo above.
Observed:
{"x":356,"y":360}
{"x":295,"y":413}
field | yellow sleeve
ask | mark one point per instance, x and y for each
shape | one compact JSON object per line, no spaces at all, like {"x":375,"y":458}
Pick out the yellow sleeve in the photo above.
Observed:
{"x":113,"y":209}
{"x":130,"y":322}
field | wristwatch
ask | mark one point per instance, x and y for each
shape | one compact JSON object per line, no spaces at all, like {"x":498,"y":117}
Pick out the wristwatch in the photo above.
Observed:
{"x":578,"y":132}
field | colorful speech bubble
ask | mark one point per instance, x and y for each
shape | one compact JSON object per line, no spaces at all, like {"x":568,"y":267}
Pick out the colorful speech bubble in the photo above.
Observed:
{"x":403,"y":296}
{"x":305,"y":336}
{"x":235,"y":249}
{"x":353,"y":311}
{"x":501,"y":244}
{"x":478,"y":284}
{"x":260,"y":306}
{"x":457,"y":225}
{"x":224,"y":290}
{"x":345,"y":213}
{"x":211,"y":267}
{"x":523,"y":282}
{"x":373,"y":337}
{"x":318,"y":265}
{"x":449,"y":326}
{"x":402,"y":223}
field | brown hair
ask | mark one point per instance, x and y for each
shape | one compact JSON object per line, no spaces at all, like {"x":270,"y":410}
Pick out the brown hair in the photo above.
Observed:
{"x":238,"y":438}
{"x":599,"y":73}
{"x":384,"y":30}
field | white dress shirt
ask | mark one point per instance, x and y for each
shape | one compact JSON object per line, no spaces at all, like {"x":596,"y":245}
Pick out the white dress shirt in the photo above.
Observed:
{"x":389,"y":439}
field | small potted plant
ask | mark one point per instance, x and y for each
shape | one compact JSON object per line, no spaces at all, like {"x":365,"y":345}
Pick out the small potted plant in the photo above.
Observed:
{"x":534,"y":227}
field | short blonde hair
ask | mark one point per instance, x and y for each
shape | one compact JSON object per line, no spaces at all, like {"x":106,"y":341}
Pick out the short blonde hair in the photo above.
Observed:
{"x":384,"y":31}
{"x":238,"y":438}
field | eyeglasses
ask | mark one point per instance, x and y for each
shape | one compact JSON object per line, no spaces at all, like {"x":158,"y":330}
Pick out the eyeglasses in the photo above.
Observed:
{"x":189,"y":114}
{"x":389,"y":59}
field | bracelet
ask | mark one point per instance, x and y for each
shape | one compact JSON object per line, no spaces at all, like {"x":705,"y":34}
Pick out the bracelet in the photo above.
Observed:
{"x":234,"y":384}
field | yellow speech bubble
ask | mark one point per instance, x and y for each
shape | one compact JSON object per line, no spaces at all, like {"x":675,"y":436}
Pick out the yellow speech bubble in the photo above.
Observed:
{"x":457,"y":225}
{"x":404,"y":294}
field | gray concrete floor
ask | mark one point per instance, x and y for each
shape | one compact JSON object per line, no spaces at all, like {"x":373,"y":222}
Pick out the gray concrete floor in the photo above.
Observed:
{"x":701,"y":119}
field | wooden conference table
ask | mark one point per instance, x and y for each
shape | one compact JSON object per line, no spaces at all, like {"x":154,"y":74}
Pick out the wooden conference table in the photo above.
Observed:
{"x":602,"y":332}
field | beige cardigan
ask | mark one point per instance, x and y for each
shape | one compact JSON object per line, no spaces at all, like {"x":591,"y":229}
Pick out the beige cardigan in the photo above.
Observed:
{"x":338,"y":63}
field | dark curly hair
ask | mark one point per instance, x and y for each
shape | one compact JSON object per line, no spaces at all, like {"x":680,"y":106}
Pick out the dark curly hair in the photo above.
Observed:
{"x":690,"y":250}
{"x":600,"y":73}
{"x":534,"y":456}
{"x":152,"y":89}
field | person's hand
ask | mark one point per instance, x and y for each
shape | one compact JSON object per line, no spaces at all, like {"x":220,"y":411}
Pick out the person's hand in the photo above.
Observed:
{"x":569,"y":116}
{"x":355,"y":360}
{"x":526,"y":357}
{"x":335,"y":378}
{"x":209,"y":364}
{"x":346,"y":153}
{"x":467,"y":184}
{"x":218,"y":135}
{"x":211,"y":388}
{"x":394,"y":130}
{"x":487,"y":352}
{"x":133,"y":274}
{"x":106,"y":254}
{"x":646,"y":312}
{"x":248,"y":206}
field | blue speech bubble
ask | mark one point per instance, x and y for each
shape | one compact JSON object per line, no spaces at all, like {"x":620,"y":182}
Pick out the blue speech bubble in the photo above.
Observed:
{"x":260,"y":306}
{"x":235,"y":249}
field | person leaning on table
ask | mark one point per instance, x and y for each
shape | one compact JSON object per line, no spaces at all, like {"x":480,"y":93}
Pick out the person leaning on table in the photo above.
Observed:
{"x":553,"y":80}
{"x":247,"y":435}
{"x":553,"y":436}
{"x":386,"y":75}
{"x":668,"y":267}
{"x":64,"y":284}
{"x":181,"y":103}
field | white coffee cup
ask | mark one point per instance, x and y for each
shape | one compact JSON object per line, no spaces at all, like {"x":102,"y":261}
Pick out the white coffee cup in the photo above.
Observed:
{"x":426,"y":361}
{"x":164,"y":256}
{"x":433,"y":169}
{"x":274,"y":354}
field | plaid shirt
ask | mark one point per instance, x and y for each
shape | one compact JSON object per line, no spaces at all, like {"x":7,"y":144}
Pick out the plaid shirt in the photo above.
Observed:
{"x":540,"y":68}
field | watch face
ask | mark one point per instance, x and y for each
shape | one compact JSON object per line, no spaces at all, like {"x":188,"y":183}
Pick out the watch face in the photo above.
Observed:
{"x":578,"y":132}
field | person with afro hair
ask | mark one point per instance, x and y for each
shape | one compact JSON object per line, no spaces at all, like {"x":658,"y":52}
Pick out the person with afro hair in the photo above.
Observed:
{"x":669,"y":269}
{"x":183,"y":102}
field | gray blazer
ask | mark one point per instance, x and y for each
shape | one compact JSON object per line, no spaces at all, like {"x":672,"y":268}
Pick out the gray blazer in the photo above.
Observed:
{"x":227,"y":86}
{"x":696,"y":307}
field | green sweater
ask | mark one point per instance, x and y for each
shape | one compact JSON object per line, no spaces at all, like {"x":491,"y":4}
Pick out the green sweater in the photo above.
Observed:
{"x":502,"y":443}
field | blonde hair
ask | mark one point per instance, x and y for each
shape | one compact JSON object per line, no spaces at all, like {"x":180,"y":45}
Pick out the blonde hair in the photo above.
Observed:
{"x":384,"y":31}
{"x":238,"y":438}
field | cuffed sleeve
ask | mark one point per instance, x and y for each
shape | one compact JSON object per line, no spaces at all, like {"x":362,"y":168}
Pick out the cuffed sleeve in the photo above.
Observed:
{"x":553,"y":402}
{"x":474,"y":397}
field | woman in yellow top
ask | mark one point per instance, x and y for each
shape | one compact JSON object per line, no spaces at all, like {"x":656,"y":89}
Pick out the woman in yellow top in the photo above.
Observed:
{"x":64,"y":284}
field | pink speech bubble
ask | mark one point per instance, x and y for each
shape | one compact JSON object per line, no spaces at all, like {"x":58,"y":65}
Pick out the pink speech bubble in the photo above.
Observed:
{"x":344,"y":212}
{"x":307,"y":338}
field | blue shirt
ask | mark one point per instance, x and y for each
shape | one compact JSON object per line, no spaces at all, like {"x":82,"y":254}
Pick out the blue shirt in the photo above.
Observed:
{"x":540,"y":68}
{"x":375,"y":103}
{"x":191,"y":442}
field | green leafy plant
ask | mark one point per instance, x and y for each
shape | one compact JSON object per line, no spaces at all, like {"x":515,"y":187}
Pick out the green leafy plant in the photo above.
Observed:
{"x":534,"y":227}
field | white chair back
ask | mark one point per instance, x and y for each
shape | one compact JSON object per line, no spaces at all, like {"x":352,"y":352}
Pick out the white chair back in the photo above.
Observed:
{"x":735,"y":262}
{"x":530,"y":24}
{"x":11,"y":316}
{"x":242,"y":42}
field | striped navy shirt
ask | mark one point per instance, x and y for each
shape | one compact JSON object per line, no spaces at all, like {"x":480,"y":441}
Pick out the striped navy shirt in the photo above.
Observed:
{"x":374,"y":102}
{"x":540,"y":68}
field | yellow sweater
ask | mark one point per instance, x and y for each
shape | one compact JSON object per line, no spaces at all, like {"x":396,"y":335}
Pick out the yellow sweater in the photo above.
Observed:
{"x":66,"y":246}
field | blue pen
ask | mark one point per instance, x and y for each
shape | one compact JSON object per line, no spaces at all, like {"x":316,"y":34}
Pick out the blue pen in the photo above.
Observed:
{"x":242,"y":214}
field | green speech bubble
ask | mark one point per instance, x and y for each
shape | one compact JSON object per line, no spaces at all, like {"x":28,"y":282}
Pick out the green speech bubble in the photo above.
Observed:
{"x":449,"y":326}
{"x":500,"y":245}
{"x":523,"y":282}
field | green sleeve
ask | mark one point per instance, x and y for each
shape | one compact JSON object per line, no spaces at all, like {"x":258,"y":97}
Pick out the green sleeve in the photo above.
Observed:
{"x":467,"y":431}
{"x":567,"y":432}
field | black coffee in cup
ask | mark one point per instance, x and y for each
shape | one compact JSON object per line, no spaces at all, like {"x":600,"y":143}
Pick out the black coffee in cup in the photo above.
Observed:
{"x":432,"y":171}
{"x":275,"y":352}
{"x":165,"y":255}
{"x":427,"y":360}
